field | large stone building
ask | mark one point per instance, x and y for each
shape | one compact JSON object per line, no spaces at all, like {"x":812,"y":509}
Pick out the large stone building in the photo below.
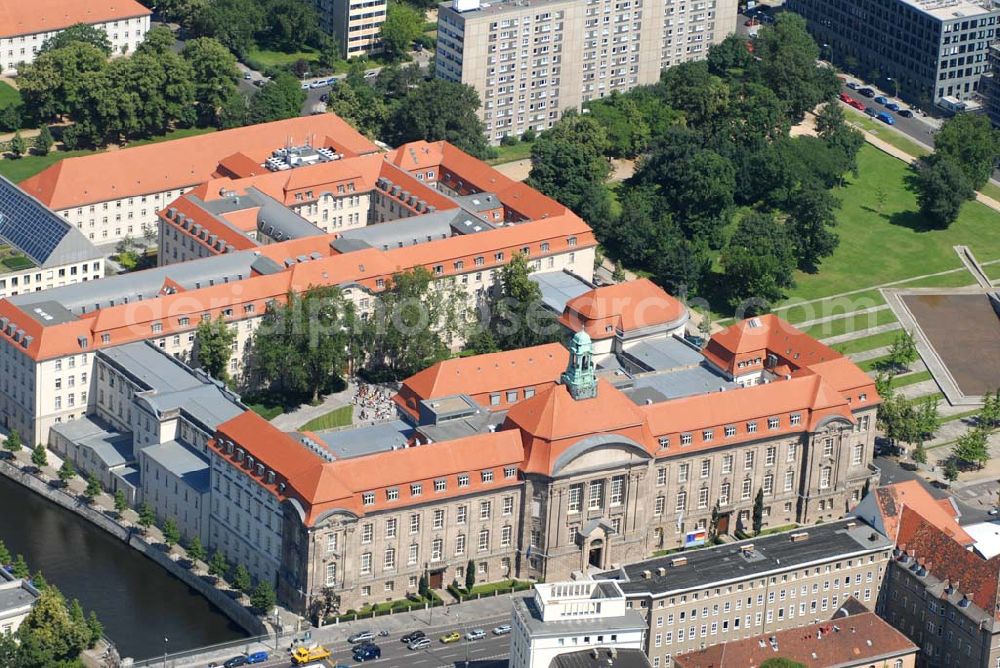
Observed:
{"x":530,"y":61}
{"x":931,"y":51}
{"x":24,"y":26}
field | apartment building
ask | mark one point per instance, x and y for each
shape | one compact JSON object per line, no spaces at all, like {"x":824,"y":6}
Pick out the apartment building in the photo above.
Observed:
{"x":562,"y":618}
{"x":753,"y":588}
{"x":355,"y":24}
{"x":530,"y":60}
{"x":24,"y":26}
{"x":112,"y":195}
{"x":931,"y":51}
{"x":38,"y":249}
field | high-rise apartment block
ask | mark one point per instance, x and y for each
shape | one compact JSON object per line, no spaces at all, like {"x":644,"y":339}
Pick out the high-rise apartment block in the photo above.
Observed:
{"x":530,"y":61}
{"x":355,"y":24}
{"x":930,"y":51}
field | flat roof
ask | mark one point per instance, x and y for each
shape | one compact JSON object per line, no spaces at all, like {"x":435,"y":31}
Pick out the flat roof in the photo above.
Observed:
{"x":949,"y":10}
{"x":361,"y":441}
{"x":584,"y":658}
{"x":681,"y":383}
{"x":987,"y":537}
{"x":712,"y":566}
{"x":14,"y":595}
{"x":527,"y":608}
{"x":559,"y":287}
{"x":183,"y":462}
{"x":113,"y":448}
{"x":663,"y":353}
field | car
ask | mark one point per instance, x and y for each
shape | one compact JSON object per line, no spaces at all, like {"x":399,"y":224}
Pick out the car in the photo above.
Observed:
{"x":844,"y":97}
{"x":257,"y":657}
{"x":906,"y":113}
{"x":475,"y":634}
{"x":882,"y":99}
{"x":892,"y":106}
{"x":361,"y":637}
{"x":501,"y":630}
{"x":886,"y":118}
{"x":992,"y":511}
{"x":454,"y":636}
{"x":304,"y":655}
{"x":419,"y":643}
{"x":324,"y":97}
{"x":418,"y":47}
{"x":235,"y":661}
{"x":411,"y":636}
{"x":304,"y":86}
{"x":871,"y":111}
{"x":247,"y":76}
{"x":318,"y":83}
{"x":860,"y":106}
{"x":867,"y":92}
{"x":367,"y":652}
{"x":258,"y":82}
{"x":853,"y":85}
{"x":371,"y":75}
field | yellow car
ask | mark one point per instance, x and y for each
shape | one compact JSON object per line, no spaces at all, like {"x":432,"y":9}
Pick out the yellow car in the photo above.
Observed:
{"x":454,"y":636}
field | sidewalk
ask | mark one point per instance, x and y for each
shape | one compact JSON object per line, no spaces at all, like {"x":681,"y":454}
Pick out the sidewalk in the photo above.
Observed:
{"x":304,"y":413}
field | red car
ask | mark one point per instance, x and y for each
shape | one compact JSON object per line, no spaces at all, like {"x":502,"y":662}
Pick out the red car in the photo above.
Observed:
{"x":844,"y":97}
{"x":860,"y":106}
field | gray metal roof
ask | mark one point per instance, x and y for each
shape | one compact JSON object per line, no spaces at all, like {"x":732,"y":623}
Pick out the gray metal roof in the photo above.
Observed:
{"x":479,"y":202}
{"x":15,"y":595}
{"x":361,"y":441}
{"x":399,"y":233}
{"x":675,"y":384}
{"x":136,"y":286}
{"x":663,"y":353}
{"x":151,"y":367}
{"x":712,"y":566}
{"x":183,"y":462}
{"x":279,"y":222}
{"x":584,"y":658}
{"x":38,"y":232}
{"x":113,"y":448}
{"x":559,"y":287}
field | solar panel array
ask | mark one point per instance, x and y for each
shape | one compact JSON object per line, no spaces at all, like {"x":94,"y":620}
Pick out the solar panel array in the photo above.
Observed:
{"x":28,"y":225}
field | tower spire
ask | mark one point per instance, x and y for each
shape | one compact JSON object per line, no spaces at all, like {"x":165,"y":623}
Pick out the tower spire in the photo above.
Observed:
{"x":579,"y":377}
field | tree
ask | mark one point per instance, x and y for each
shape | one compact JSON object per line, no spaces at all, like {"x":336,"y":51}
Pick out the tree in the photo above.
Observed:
{"x":38,"y":581}
{"x":20,"y":568}
{"x":171,"y":534}
{"x":439,"y":110}
{"x":121,"y":504}
{"x":263,"y":598}
{"x":13,"y":442}
{"x":213,"y":346}
{"x":758,"y":261}
{"x":971,"y":143}
{"x":627,"y":132}
{"x":568,"y":161}
{"x":730,"y":56}
{"x":43,"y":141}
{"x":832,"y":127}
{"x":215,"y":77}
{"x":403,"y":24}
{"x":302,"y":346}
{"x":989,"y":416}
{"x":240,"y":578}
{"x":78,"y":33}
{"x":278,"y":99}
{"x":96,"y":629}
{"x":146,"y":516}
{"x":781,"y":662}
{"x":289,"y":25}
{"x":920,"y":454}
{"x":18,"y":145}
{"x":4,"y":554}
{"x":218,"y":566}
{"x":233,"y":22}
{"x":360,"y":105}
{"x":758,"y":512}
{"x":53,"y":633}
{"x":811,"y":219}
{"x":950,"y":470}
{"x":519,"y":319}
{"x":157,"y":41}
{"x":66,"y":472}
{"x":423,"y":587}
{"x":39,"y":456}
{"x":196,"y":550}
{"x":942,"y":187}
{"x":470,"y":575}
{"x":971,"y":448}
{"x":93,"y":488}
{"x":54,"y":84}
{"x":702,"y":97}
{"x":235,"y":111}
{"x":903,"y":351}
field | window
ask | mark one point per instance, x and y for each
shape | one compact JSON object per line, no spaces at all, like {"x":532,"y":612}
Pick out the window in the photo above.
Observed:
{"x":707,"y":435}
{"x":706,"y":468}
{"x":617,"y":490}
{"x":463,"y":480}
{"x":824,"y":477}
{"x":460,"y":514}
{"x":506,"y":533}
{"x":769,"y":483}
{"x":331,"y":543}
{"x":391,"y":527}
{"x":596,"y":496}
{"x":828,"y":447}
{"x":748,"y":460}
{"x":789,"y":480}
{"x":392,"y":494}
{"x":366,"y":563}
{"x":729,"y":431}
{"x":438,"y":518}
{"x":751,"y":427}
{"x":773,"y":423}
{"x":508,"y":505}
{"x":664,"y":442}
{"x":857,"y":453}
{"x":331,"y":574}
{"x":416,"y":489}
{"x":682,"y":499}
{"x":484,"y":510}
{"x":747,"y":489}
{"x":414,"y":523}
{"x":414,"y":555}
{"x":724,"y":493}
{"x":487,"y":476}
{"x":437,"y":545}
{"x":727,"y":464}
{"x":703,"y":497}
{"x":796,"y":419}
{"x":770,"y":455}
{"x":575,"y":498}
{"x":484,"y":540}
{"x":661,"y":476}
{"x":367,"y":531}
{"x":660,"y":505}
{"x":509,"y":472}
{"x":682,"y":472}
{"x":460,"y":544}
{"x":793,"y":451}
{"x":389,"y":561}
{"x":685,"y":439}
{"x":440,"y":485}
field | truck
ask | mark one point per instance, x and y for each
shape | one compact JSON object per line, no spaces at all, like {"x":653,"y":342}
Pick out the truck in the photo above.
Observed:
{"x":302,"y":655}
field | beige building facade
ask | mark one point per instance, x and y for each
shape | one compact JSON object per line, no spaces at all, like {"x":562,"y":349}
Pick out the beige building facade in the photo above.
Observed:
{"x":355,"y":24}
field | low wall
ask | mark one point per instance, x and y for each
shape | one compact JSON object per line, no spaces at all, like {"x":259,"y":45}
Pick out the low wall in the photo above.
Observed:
{"x":221,"y":599}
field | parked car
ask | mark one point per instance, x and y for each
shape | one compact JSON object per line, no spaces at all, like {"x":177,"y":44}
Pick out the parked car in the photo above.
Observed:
{"x":304,"y":86}
{"x":371,"y":75}
{"x":501,"y":630}
{"x":367,"y":652}
{"x":419,"y":643}
{"x":892,"y":106}
{"x":247,"y":76}
{"x":361,"y":637}
{"x":844,"y":97}
{"x":324,"y":97}
{"x":411,"y":636}
{"x":906,"y":113}
{"x":240,"y":660}
{"x":886,"y":118}
{"x":454,"y":636}
{"x":257,"y":657}
{"x":475,"y":634}
{"x":860,"y":106}
{"x":318,"y":83}
{"x":853,"y":85}
{"x":871,"y":111}
{"x":867,"y":92}
{"x":882,"y":99}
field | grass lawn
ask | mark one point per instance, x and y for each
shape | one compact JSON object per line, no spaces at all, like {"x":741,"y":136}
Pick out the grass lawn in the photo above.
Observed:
{"x":871,"y":365}
{"x":879,"y":248}
{"x":993,"y":271}
{"x":266,"y":411}
{"x":519,"y":151}
{"x":990,"y":190}
{"x":851,"y":323}
{"x":889,"y":136}
{"x":340,"y":417}
{"x":19,"y":170}
{"x":911,"y":379}
{"x":267,"y":58}
{"x":866,"y":343}
{"x":8,"y":95}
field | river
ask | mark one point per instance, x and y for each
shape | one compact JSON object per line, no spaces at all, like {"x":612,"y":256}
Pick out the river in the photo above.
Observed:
{"x":138,"y":602}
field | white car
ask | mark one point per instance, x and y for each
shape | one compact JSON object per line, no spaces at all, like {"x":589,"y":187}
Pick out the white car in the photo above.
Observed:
{"x":475,"y":634}
{"x":304,"y":86}
{"x":501,"y":630}
{"x":371,"y":75}
{"x":318,"y":84}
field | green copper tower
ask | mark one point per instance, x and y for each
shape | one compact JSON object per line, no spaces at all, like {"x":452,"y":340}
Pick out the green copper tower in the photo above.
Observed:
{"x":579,"y":376}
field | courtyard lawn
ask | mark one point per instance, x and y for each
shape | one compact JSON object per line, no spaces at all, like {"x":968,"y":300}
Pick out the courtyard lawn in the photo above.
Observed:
{"x":340,"y":417}
{"x":266,"y":411}
{"x":888,"y":135}
{"x":993,"y":271}
{"x":851,"y":323}
{"x":911,"y":379}
{"x":8,"y":95}
{"x":866,"y":343}
{"x":878,"y":248}
{"x":519,"y":151}
{"x":265,"y":58}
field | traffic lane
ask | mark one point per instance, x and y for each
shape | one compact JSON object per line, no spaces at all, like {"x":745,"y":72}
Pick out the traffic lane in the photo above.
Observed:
{"x":912,"y":127}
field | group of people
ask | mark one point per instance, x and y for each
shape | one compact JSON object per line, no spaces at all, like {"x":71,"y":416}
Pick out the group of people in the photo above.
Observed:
{"x":374,"y":404}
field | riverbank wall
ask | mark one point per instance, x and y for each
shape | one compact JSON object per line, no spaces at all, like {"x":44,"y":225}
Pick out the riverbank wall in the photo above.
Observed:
{"x":232,"y":608}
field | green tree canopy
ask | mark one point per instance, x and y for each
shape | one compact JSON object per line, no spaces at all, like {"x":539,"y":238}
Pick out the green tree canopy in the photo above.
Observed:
{"x":235,"y":23}
{"x":439,"y":110}
{"x":568,"y":163}
{"x":157,"y":41}
{"x":758,"y":262}
{"x":278,"y":99}
{"x":360,"y":105}
{"x":13,"y":441}
{"x":519,"y":318}
{"x":730,"y":56}
{"x":171,"y":533}
{"x":971,"y":448}
{"x":240,"y":578}
{"x":213,"y":345}
{"x":971,"y":143}
{"x":403,"y":24}
{"x":263,"y":598}
{"x":627,"y":132}
{"x":215,"y":76}
{"x":80,"y":33}
{"x":54,"y":84}
{"x":811,"y":219}
{"x":289,"y":25}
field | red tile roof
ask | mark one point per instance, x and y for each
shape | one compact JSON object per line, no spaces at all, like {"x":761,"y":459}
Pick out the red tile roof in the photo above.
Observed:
{"x":28,"y":17}
{"x":623,"y":307}
{"x":858,"y":640}
{"x":892,"y":499}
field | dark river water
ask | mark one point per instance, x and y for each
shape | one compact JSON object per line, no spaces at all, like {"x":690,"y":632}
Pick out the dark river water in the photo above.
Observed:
{"x":138,"y":602}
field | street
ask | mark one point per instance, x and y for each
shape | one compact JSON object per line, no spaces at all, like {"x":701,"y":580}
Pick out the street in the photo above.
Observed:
{"x":916,"y":128}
